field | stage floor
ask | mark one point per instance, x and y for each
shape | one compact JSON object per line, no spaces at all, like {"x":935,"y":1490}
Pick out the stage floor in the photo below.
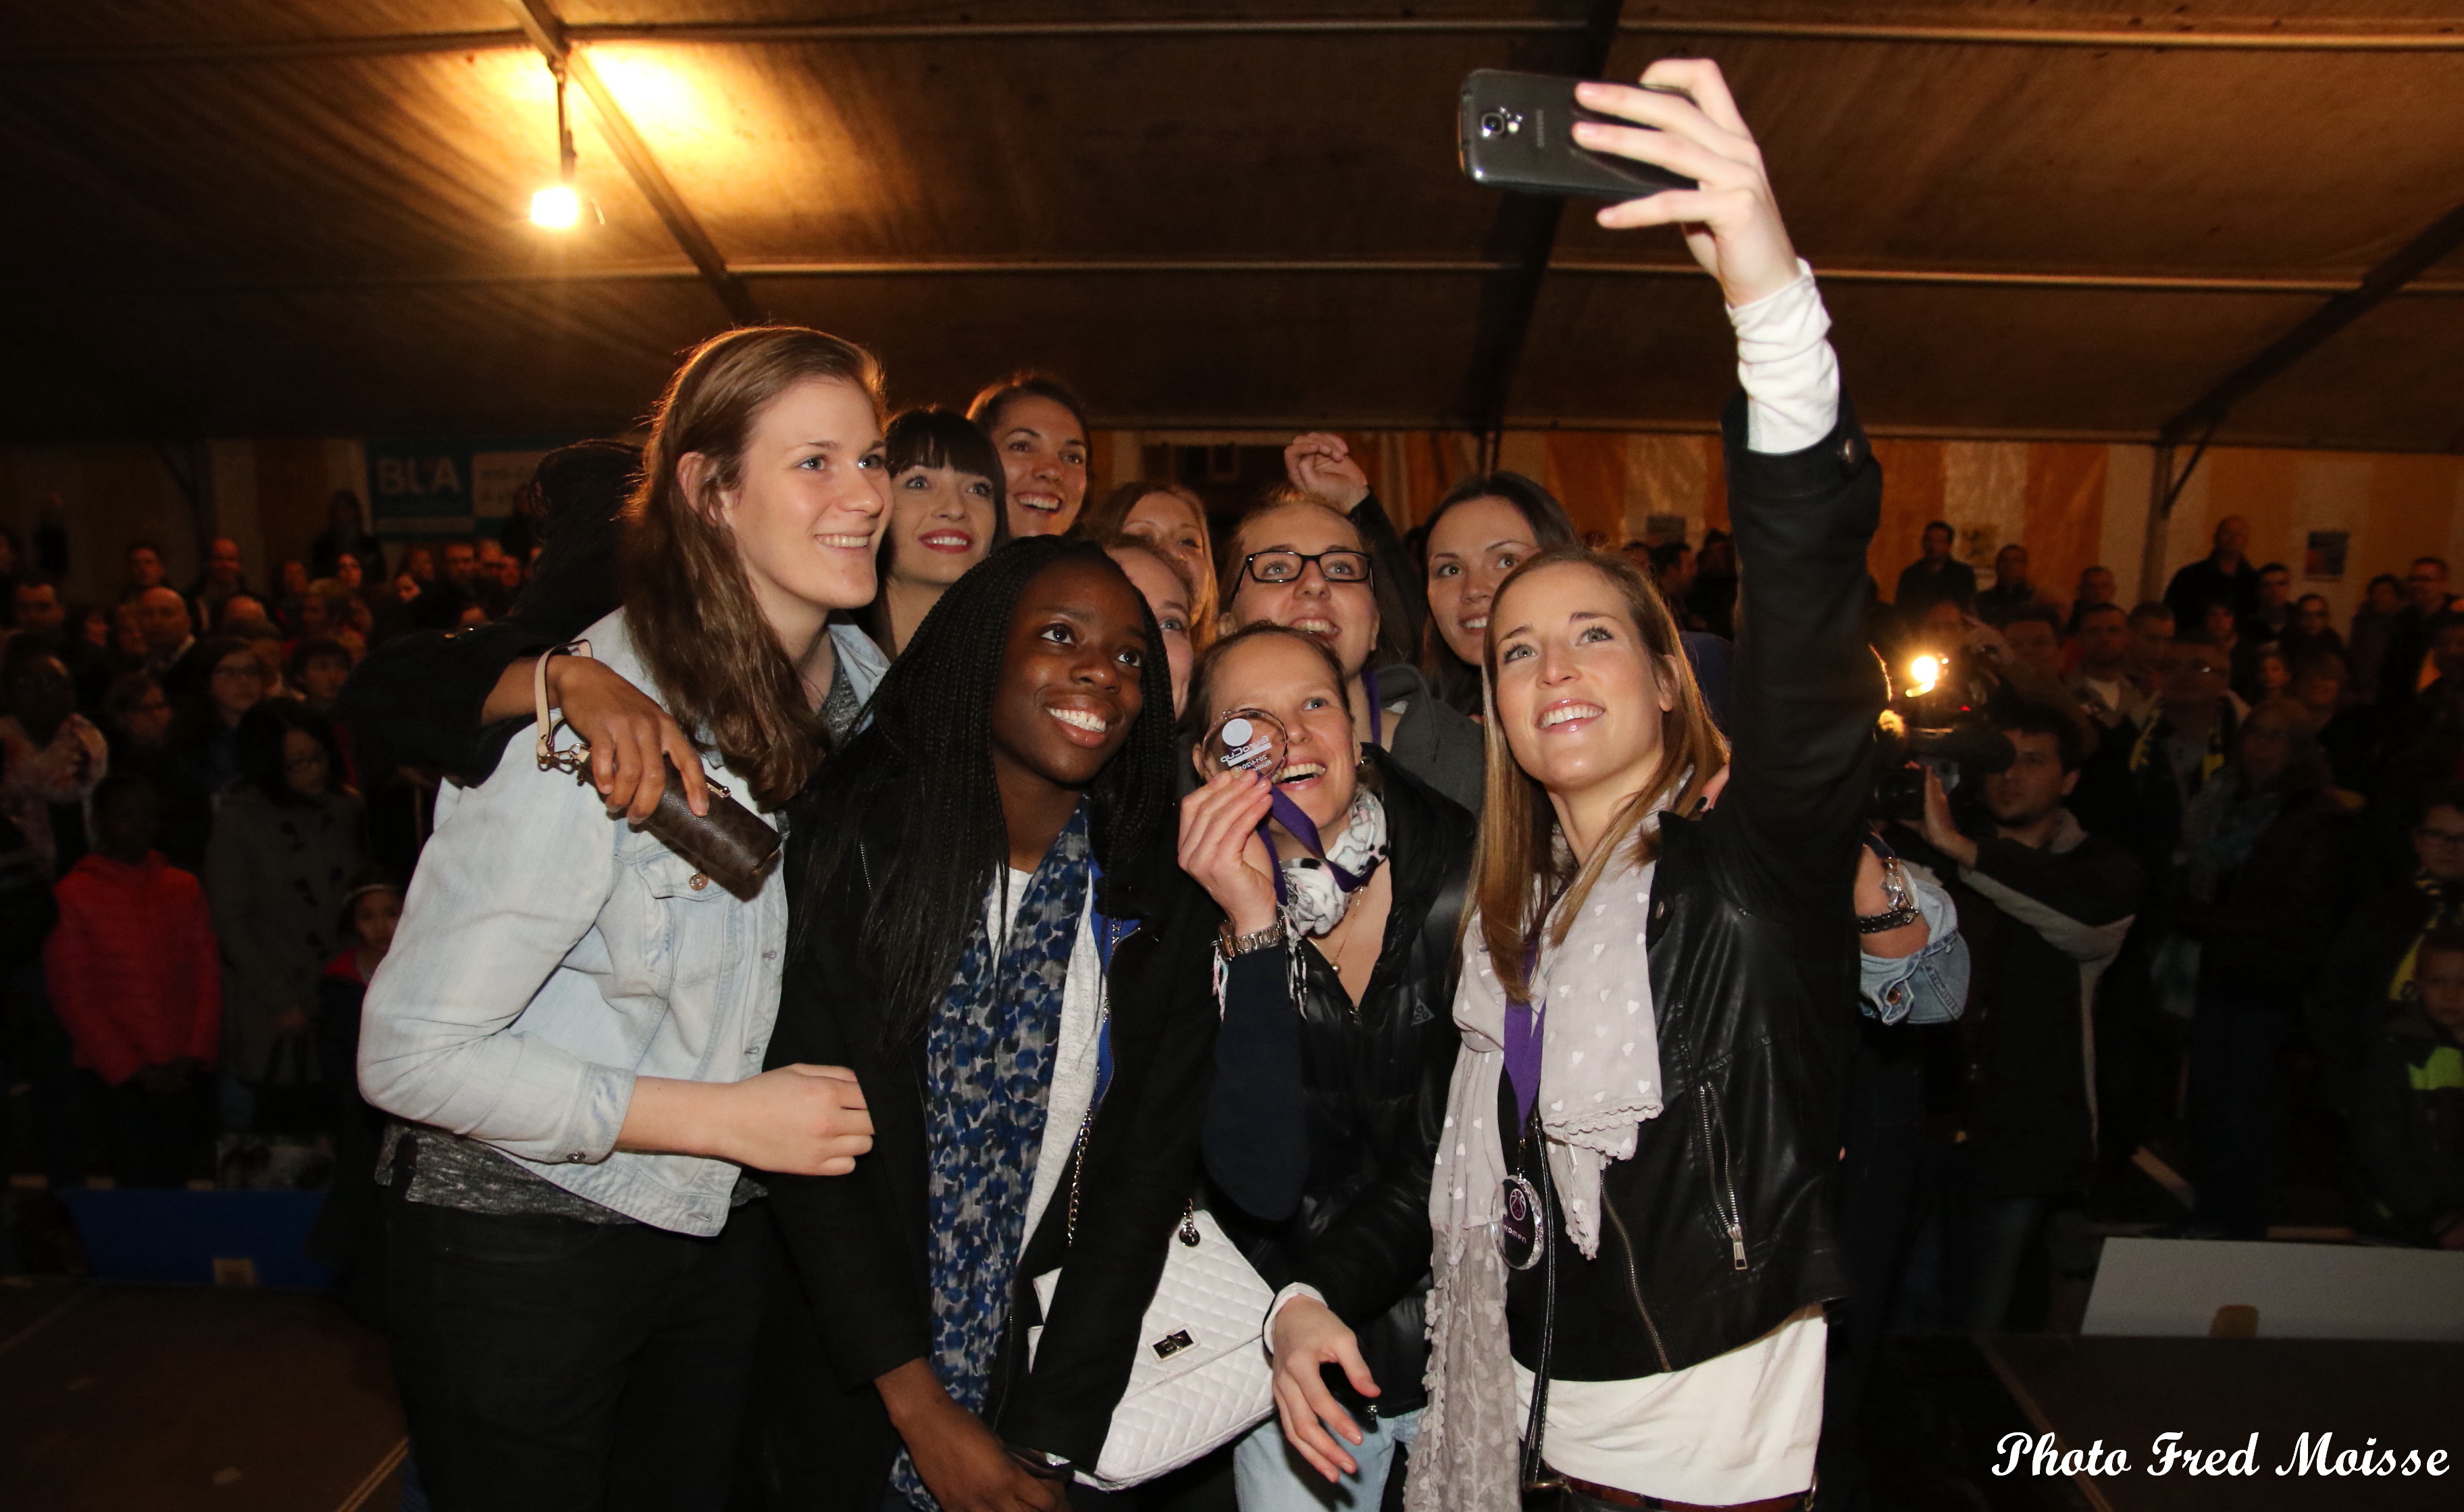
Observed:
{"x":166,"y":1399}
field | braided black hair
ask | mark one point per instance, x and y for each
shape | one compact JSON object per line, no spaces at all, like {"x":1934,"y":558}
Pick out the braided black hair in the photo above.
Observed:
{"x":926,"y":757}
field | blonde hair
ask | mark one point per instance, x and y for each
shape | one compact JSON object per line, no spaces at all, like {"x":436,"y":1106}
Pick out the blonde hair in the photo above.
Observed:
{"x":1519,"y":869}
{"x":687,"y":600}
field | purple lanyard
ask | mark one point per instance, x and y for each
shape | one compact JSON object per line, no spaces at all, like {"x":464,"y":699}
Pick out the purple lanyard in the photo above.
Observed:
{"x":1523,"y":1025}
{"x":1301,"y":827}
{"x":1376,"y":711}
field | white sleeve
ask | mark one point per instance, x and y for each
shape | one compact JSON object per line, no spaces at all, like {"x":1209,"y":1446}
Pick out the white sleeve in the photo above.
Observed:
{"x":1284,"y":1299}
{"x":1785,"y":361}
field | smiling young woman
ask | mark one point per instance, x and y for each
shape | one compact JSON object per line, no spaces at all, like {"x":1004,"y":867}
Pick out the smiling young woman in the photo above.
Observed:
{"x":946,"y":514}
{"x":568,"y":1029}
{"x":1322,"y":1124}
{"x":1040,"y":429}
{"x":1296,"y":561}
{"x":990,"y":916}
{"x":1637,"y":1197}
{"x":1485,"y":528}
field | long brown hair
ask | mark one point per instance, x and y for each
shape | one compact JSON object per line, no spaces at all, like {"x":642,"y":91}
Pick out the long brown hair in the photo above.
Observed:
{"x":687,"y":603}
{"x":1519,"y":870}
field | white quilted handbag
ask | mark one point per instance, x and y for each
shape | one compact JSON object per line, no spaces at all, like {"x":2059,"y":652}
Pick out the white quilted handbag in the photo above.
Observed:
{"x":1202,"y":1377}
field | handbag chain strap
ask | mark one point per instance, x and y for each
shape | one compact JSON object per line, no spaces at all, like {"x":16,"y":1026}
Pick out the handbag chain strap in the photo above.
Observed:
{"x":1535,"y":1476}
{"x":574,"y":760}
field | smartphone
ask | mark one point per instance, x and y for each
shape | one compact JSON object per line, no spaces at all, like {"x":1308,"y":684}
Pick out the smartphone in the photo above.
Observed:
{"x":1516,"y":132}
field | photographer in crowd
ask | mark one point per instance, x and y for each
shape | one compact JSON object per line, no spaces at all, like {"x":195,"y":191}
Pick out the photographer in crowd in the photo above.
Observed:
{"x":2044,"y":907}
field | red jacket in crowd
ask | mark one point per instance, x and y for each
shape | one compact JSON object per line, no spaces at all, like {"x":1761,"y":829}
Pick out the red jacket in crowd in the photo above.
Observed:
{"x":135,"y":975}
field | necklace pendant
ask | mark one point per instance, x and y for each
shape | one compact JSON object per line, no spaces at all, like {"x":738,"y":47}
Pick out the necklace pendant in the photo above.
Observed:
{"x":1526,"y":1226}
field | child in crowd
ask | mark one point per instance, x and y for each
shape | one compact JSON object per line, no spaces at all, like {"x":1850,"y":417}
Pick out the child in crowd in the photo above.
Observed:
{"x":137,"y":981}
{"x":349,"y":1235}
{"x":2410,"y":1118}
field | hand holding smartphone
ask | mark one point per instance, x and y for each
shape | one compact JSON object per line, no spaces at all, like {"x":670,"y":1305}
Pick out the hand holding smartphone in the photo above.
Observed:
{"x":1670,"y":150}
{"x":1516,"y":131}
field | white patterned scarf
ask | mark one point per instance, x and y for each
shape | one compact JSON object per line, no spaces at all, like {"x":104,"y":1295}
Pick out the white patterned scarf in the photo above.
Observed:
{"x":1599,"y":1079}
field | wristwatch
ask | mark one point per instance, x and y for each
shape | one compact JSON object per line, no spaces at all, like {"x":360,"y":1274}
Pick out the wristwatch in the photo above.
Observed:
{"x":1237,"y":945}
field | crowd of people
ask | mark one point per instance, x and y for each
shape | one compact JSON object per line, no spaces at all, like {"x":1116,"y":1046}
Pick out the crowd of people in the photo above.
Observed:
{"x":1508,"y":948}
{"x":2261,"y":806}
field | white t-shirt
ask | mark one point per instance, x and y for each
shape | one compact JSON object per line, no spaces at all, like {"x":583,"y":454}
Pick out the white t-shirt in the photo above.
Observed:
{"x":1738,"y":1427}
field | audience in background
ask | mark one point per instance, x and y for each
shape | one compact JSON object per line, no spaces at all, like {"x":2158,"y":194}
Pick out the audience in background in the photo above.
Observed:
{"x":53,"y":756}
{"x":2373,"y":623}
{"x":2012,"y":592}
{"x":2372,"y":974}
{"x":345,"y":532}
{"x":288,"y":840}
{"x":222,"y":576}
{"x":2224,"y":576}
{"x":2270,"y":861}
{"x":136,"y":979}
{"x":2409,"y":1124}
{"x":145,"y":569}
{"x":2410,"y":631}
{"x":1935,"y":576}
{"x":2273,"y":616}
{"x":2103,"y":682}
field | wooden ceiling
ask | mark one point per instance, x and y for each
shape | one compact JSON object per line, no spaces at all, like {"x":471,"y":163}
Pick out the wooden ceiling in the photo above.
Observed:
{"x":309,"y":216}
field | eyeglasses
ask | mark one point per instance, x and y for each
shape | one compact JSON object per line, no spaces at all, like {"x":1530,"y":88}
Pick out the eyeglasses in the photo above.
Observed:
{"x":1286,"y":566}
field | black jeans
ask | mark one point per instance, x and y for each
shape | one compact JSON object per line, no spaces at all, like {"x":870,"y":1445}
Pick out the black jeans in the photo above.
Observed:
{"x":549,"y":1364}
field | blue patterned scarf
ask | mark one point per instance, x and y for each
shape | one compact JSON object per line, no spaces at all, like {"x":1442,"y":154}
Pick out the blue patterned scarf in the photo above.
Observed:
{"x":988,"y":1060}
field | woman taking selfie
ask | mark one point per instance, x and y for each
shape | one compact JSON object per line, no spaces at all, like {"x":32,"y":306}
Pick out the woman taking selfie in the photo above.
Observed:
{"x":1040,"y":429}
{"x":1630,"y":1278}
{"x":570,"y":1024}
{"x":1482,"y":529}
{"x":993,"y":934}
{"x":945,"y":516}
{"x":1322,"y":1123}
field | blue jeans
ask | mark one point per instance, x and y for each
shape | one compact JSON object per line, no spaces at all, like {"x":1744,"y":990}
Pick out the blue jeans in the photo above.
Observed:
{"x":1269,"y":1476}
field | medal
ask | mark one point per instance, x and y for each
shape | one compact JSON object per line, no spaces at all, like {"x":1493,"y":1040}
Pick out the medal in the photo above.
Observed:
{"x":1526,"y":1226}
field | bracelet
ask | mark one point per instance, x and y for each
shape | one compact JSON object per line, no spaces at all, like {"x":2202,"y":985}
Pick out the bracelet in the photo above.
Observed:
{"x":1232,"y":946}
{"x":1895,"y":891}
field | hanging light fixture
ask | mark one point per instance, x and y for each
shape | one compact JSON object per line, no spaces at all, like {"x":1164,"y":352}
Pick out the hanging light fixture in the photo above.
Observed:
{"x":558,"y":206}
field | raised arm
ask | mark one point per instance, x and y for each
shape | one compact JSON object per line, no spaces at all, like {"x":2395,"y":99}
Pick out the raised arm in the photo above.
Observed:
{"x":1804,"y":493}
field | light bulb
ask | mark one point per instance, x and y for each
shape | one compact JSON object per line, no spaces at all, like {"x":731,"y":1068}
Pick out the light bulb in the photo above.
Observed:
{"x":557,"y":208}
{"x":1923,"y":673}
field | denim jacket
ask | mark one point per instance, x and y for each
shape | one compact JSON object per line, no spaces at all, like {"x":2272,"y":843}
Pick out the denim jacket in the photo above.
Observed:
{"x":549,"y":954}
{"x":1929,"y":986}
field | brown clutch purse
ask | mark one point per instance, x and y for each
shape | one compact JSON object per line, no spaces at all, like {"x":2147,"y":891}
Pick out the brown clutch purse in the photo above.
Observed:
{"x":730,"y":845}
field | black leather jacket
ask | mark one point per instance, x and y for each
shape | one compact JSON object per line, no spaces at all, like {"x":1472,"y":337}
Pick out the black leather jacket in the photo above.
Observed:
{"x":1349,"y":1205}
{"x":1723,"y":1222}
